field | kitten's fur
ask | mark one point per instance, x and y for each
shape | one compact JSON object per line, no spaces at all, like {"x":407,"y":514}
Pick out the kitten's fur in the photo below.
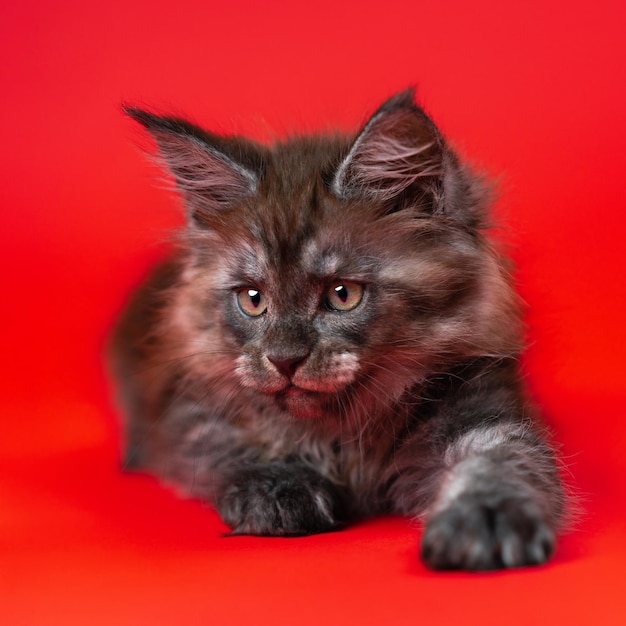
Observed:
{"x":246,"y":384}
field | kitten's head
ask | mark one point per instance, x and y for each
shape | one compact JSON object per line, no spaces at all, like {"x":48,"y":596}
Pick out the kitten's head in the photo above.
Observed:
{"x":337,"y":272}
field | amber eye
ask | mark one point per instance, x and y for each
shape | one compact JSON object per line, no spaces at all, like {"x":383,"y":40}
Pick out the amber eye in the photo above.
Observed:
{"x":344,"y":296}
{"x":251,"y":302}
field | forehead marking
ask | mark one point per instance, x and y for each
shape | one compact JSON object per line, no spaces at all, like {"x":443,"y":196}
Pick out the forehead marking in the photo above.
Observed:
{"x":320,"y":262}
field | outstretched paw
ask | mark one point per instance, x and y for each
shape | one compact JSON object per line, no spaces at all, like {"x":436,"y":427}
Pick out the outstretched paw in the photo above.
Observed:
{"x":480,"y":533}
{"x":280,"y":500}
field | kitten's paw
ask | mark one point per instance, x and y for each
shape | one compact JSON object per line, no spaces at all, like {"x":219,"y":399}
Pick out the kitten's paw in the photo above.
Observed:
{"x":280,"y":500}
{"x":478,"y":533}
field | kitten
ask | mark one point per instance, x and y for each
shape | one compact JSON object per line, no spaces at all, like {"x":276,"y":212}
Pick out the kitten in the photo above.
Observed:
{"x":337,"y":339}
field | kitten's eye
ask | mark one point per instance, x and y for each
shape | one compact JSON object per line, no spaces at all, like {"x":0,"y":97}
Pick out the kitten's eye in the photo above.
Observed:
{"x":344,"y":296}
{"x":251,"y":302}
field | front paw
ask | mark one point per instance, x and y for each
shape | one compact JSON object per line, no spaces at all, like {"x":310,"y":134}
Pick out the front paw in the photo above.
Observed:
{"x":279,"y":500}
{"x":481,"y":533}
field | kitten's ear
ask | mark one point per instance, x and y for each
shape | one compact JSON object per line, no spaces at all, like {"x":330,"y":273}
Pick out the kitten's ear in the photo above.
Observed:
{"x":399,"y":148}
{"x":213,"y":173}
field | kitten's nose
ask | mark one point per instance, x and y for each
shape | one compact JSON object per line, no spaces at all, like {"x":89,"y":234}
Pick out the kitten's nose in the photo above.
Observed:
{"x":287,"y":365}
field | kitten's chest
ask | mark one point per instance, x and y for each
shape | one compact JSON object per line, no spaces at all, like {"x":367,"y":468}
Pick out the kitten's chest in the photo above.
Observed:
{"x":353,"y":459}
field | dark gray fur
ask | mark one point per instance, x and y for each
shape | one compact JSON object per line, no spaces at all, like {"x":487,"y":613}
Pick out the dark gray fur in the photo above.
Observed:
{"x":305,"y":417}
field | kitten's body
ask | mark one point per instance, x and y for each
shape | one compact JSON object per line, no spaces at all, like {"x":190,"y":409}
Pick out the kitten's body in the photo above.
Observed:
{"x":337,"y":339}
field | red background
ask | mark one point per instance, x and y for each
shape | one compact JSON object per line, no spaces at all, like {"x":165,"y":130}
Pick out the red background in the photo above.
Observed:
{"x":534,"y":91}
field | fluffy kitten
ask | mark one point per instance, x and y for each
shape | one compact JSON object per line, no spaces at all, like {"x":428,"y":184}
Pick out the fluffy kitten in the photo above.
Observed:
{"x":337,"y":339}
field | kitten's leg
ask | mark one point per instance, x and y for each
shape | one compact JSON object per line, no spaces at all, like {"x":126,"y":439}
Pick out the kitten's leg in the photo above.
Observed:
{"x":255,"y":493}
{"x":498,"y":503}
{"x":282,"y":498}
{"x":480,"y":473}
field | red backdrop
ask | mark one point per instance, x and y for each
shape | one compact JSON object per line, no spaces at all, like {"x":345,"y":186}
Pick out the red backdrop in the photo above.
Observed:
{"x":533,"y":91}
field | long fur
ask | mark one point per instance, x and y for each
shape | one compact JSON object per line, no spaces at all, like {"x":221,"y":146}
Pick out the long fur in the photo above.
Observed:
{"x":306,"y":417}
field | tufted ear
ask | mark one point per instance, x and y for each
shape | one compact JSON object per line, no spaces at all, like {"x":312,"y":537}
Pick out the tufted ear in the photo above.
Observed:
{"x":397,"y":149}
{"x":212,"y":173}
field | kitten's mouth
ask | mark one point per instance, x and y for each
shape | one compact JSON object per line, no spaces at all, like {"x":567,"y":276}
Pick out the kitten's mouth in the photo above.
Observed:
{"x":303,"y":403}
{"x":294,"y":391}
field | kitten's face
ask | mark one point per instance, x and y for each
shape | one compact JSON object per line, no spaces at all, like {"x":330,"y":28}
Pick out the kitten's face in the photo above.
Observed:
{"x":306,"y":326}
{"x":334,"y":272}
{"x":326,"y":315}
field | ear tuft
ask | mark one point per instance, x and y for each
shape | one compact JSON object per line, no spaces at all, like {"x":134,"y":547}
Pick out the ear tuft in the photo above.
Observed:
{"x":206,"y":172}
{"x":397,"y":149}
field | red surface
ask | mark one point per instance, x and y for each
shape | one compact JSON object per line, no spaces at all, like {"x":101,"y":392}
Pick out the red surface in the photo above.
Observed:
{"x":535,"y":91}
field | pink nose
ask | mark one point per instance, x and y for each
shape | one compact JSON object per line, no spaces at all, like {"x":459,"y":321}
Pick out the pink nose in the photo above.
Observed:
{"x":286,"y":365}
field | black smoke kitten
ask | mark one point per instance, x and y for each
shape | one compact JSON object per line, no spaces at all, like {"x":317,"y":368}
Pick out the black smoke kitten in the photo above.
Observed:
{"x":337,"y":339}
